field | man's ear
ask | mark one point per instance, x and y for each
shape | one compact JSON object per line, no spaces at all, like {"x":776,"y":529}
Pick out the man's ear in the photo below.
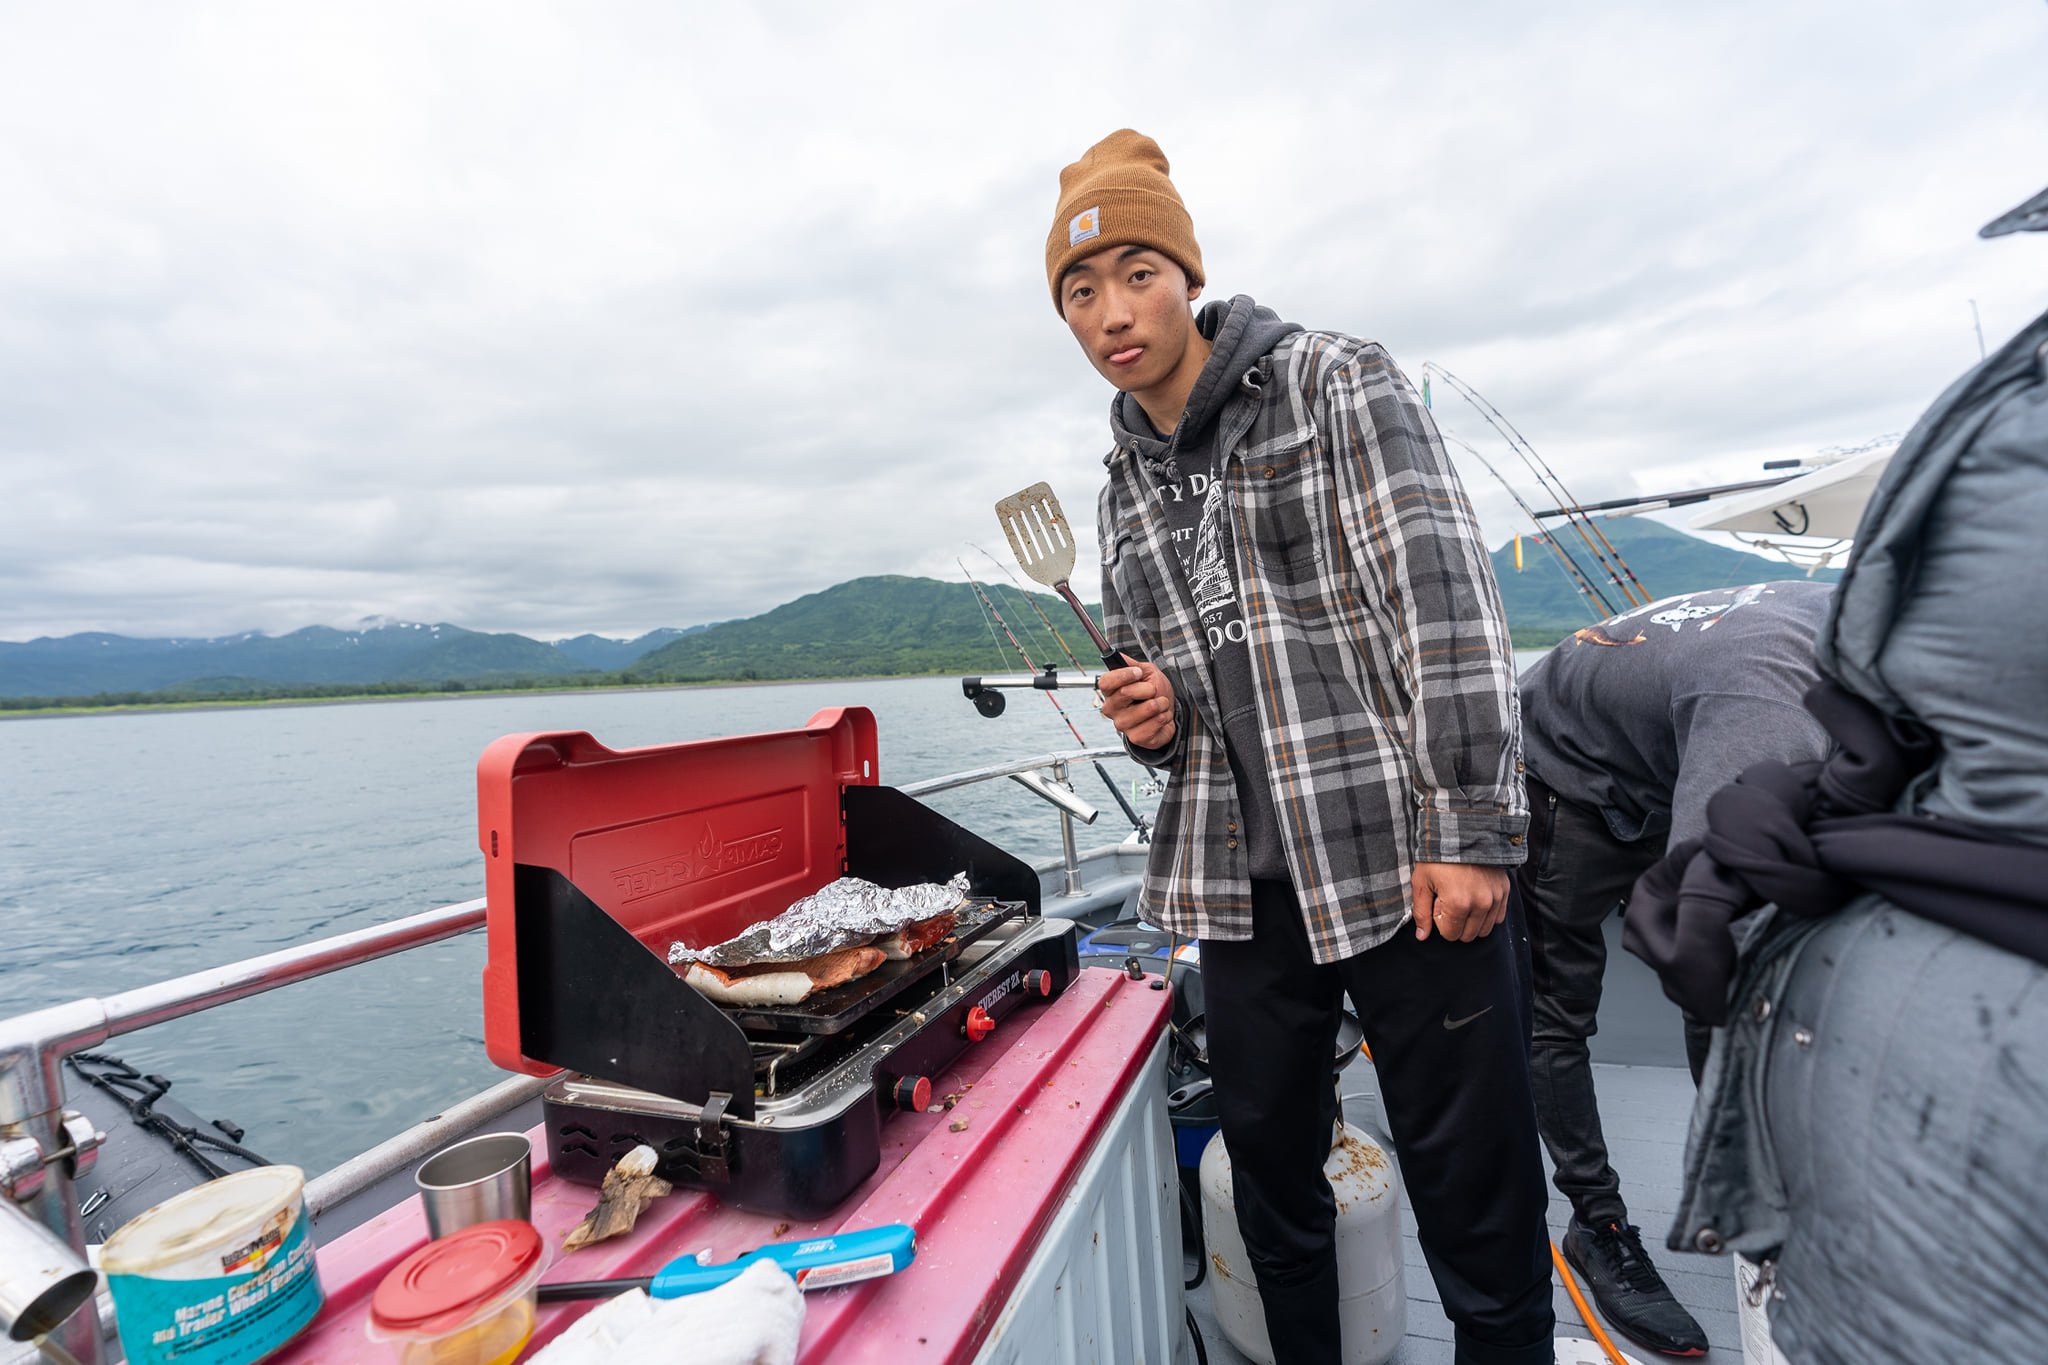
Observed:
{"x":1194,"y":292}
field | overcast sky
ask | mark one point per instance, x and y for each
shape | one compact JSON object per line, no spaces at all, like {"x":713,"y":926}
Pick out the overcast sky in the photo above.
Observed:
{"x":554,"y":318}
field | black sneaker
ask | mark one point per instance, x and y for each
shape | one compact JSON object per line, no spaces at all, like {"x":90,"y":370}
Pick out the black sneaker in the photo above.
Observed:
{"x":1631,"y":1294}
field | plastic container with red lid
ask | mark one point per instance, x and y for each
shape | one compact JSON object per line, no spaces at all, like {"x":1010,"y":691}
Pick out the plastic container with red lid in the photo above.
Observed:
{"x":469,"y":1298}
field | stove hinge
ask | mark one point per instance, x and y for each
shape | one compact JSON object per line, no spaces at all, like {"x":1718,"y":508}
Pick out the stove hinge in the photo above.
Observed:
{"x":714,"y":1152}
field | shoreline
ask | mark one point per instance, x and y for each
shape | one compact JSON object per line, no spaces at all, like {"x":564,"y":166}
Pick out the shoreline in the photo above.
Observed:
{"x":474,"y":694}
{"x":477,"y":694}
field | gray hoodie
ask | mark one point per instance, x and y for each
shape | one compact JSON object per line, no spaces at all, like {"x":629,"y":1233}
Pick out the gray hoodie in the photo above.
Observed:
{"x":1186,"y":469}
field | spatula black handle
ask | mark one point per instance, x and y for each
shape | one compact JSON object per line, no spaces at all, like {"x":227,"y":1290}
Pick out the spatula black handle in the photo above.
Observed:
{"x":1110,"y":657}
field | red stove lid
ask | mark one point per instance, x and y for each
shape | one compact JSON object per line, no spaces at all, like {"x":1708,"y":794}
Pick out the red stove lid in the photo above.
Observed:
{"x":687,"y":842}
{"x":444,"y":1282}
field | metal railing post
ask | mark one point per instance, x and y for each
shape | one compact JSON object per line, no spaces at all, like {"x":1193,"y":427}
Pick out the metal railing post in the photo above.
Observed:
{"x":34,"y":1137}
{"x":1070,"y":857}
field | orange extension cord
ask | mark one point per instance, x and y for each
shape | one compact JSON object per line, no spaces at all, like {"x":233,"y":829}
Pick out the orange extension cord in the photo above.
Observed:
{"x":1571,"y":1287}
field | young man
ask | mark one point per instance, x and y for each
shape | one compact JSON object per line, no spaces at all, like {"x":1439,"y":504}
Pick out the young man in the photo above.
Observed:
{"x":1319,"y":661}
{"x":1629,"y":727}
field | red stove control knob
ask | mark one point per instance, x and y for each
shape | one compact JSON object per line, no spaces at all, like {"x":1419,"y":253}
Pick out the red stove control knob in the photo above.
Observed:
{"x":1038,"y":983}
{"x":980,"y":1024}
{"x":913,"y":1093}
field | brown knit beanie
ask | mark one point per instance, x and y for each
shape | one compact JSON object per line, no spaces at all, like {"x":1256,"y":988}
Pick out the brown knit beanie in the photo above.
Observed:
{"x":1117,"y":194}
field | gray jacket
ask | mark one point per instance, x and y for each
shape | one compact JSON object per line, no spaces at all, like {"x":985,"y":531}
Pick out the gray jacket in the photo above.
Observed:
{"x":1936,"y":618}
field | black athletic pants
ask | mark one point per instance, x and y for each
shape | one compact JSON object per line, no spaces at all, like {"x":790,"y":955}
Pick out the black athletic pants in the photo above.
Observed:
{"x":1448,"y":1029}
{"x":1577,"y":875}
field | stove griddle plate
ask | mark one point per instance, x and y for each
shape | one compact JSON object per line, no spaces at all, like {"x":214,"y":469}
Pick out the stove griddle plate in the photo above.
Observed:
{"x":837,"y":1009}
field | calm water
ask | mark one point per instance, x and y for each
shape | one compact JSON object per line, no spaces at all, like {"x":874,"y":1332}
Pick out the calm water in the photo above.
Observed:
{"x":135,"y":848}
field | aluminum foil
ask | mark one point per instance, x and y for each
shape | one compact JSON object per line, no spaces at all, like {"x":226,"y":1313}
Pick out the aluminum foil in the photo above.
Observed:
{"x":848,"y":912}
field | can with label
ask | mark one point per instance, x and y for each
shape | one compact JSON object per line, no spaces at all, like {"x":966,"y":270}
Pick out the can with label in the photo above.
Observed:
{"x":222,"y":1274}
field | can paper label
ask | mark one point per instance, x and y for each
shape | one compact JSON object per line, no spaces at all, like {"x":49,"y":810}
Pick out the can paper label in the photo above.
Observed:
{"x":229,"y":1305}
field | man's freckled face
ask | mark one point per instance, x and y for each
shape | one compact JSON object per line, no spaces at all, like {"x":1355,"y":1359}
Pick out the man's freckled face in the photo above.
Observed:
{"x":1128,"y":308}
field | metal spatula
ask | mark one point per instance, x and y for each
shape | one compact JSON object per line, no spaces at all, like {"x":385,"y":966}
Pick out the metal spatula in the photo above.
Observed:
{"x":1044,"y":545}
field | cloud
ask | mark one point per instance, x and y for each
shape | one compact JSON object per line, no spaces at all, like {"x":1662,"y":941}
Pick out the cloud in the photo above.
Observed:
{"x":552,"y":320}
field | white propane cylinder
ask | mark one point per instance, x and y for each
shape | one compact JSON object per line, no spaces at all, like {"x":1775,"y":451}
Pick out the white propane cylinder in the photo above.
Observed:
{"x":1372,"y":1302}
{"x":1752,"y":1314}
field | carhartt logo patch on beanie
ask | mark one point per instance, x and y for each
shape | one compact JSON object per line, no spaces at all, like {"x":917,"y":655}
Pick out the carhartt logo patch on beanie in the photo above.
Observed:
{"x":1118,"y":194}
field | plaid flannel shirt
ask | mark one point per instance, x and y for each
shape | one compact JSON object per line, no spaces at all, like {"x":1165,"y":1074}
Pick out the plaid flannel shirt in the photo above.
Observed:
{"x":1380,"y":655}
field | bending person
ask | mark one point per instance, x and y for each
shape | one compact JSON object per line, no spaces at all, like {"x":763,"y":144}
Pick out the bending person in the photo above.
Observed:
{"x":1627,"y":728}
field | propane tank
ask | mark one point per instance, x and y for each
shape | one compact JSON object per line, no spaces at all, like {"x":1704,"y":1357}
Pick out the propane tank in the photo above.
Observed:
{"x":1372,"y":1302}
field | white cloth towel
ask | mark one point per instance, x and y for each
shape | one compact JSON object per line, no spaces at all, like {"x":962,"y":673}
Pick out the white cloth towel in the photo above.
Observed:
{"x":754,"y":1319}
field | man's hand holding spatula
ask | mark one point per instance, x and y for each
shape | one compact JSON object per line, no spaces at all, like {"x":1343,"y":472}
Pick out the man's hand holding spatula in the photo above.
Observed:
{"x":1137,"y":697}
{"x":1138,"y":700}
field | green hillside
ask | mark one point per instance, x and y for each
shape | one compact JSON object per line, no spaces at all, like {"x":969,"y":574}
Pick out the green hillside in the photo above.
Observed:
{"x":870,"y":627}
{"x":897,"y":625}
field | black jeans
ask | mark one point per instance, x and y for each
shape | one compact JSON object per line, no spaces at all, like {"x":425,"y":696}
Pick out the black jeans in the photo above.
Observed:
{"x":1449,"y":1039}
{"x":1578,"y":874}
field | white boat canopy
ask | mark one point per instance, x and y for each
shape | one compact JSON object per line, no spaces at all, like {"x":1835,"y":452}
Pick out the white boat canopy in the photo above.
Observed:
{"x":1827,"y":503}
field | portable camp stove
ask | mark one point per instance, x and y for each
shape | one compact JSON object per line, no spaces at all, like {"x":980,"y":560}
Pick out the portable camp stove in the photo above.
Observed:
{"x":597,"y":860}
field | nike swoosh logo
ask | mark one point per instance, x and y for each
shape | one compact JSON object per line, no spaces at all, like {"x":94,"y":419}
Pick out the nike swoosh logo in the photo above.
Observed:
{"x":1450,"y":1023}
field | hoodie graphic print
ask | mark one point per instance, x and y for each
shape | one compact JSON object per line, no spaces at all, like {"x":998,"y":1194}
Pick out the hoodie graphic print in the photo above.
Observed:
{"x":1208,"y":567}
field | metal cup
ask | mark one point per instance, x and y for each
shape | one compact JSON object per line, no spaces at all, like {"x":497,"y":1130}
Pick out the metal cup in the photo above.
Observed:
{"x":478,"y":1180}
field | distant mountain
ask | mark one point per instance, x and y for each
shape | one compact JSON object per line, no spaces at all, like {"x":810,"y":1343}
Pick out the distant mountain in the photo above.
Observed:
{"x":873,"y":627}
{"x":1543,"y":604}
{"x":864,"y":628}
{"x":609,"y":655}
{"x":87,"y":665}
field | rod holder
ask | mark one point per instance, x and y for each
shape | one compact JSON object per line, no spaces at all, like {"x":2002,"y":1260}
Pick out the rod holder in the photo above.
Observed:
{"x":1060,"y":796}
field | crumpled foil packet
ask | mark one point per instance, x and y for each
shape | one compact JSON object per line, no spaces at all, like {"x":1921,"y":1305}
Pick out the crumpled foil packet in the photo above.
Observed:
{"x":849,"y":911}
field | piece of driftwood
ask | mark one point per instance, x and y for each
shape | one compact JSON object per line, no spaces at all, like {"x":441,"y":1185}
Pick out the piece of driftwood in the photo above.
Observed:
{"x":629,"y":1187}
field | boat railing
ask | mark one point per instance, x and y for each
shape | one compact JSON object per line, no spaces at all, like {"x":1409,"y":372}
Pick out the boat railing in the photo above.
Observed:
{"x":1059,"y":793}
{"x":45,"y":1146}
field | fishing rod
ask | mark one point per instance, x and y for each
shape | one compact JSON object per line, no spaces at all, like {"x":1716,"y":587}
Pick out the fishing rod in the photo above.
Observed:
{"x":1026,"y":594}
{"x":1072,"y":658}
{"x":1618,"y":571}
{"x":988,"y":609}
{"x":1617,"y":568}
{"x":1631,"y":586}
{"x":1578,"y":576}
{"x":988,"y":606}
